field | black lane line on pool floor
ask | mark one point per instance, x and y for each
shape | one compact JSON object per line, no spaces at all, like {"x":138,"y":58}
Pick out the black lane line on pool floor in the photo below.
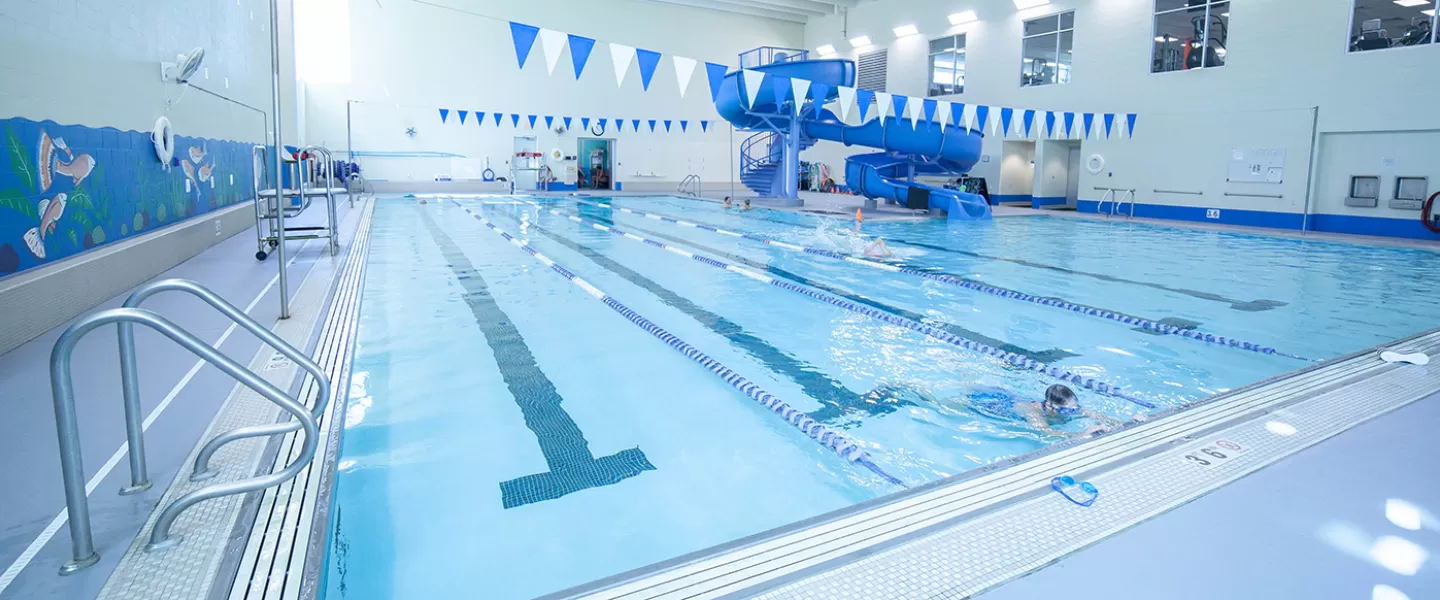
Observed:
{"x":1045,"y":356}
{"x":1240,"y":305}
{"x":572,"y":466}
{"x":839,"y":400}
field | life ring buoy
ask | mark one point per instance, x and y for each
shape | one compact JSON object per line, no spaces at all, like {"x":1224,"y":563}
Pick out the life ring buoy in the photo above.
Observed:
{"x":1095,"y":164}
{"x":164,"y":139}
{"x":487,"y":175}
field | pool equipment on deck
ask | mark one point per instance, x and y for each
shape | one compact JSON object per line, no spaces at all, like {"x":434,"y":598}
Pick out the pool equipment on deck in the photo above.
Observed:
{"x":311,"y":171}
{"x":796,"y":418}
{"x":1146,"y":324}
{"x":1082,"y":493}
{"x":1010,"y":358}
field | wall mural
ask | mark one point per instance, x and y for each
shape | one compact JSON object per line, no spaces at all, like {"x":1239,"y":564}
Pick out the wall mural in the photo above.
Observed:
{"x":66,"y":188}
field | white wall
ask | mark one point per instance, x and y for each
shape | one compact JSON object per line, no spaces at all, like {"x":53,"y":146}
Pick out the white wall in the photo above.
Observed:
{"x":411,"y":59}
{"x":1017,"y":170}
{"x":1285,"y":58}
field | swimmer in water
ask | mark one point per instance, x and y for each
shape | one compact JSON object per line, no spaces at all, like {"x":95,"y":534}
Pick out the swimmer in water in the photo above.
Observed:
{"x":747,"y":204}
{"x":1059,"y":407}
{"x":728,"y":204}
{"x":878,"y":249}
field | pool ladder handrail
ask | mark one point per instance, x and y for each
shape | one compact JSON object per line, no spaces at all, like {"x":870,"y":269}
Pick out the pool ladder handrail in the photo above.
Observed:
{"x":83,"y":552}
{"x":685,"y":184}
{"x":1115,"y":200}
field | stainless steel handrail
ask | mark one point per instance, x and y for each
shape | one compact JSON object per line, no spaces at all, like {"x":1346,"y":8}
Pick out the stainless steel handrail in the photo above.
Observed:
{"x":68,"y":431}
{"x":685,"y":183}
{"x":329,"y":191}
{"x":1128,"y":194}
{"x":130,"y":386}
{"x":1109,"y":196}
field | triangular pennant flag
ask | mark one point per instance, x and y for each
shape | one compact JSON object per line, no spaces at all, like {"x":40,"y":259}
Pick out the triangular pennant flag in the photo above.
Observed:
{"x":704,"y":126}
{"x":1006,"y":114}
{"x":549,"y":122}
{"x":601,"y":123}
{"x":667,"y":125}
{"x":820,"y":92}
{"x":1130,"y":122}
{"x":652,"y":125}
{"x":716,"y":75}
{"x":1109,"y":123}
{"x":684,"y":126}
{"x":913,"y":110}
{"x":684,"y":72}
{"x":444,"y":112}
{"x":552,"y":43}
{"x":781,"y":87}
{"x":970,"y":120}
{"x":524,"y":38}
{"x":883,"y":104}
{"x":634,"y":124}
{"x":580,"y":48}
{"x":498,"y":116}
{"x":620,"y":126}
{"x":1029,"y":120}
{"x":566,"y":120}
{"x":981,"y":114}
{"x":1069,"y":124}
{"x":480,"y":118}
{"x":1050,"y":123}
{"x":462,"y":114}
{"x":585,"y":123}
{"x":532,"y":121}
{"x":942,"y":110}
{"x":754,"y":80}
{"x":863,"y":98}
{"x":846,"y":99}
{"x":801,"y":88}
{"x":927,"y":109}
{"x":648,"y":59}
{"x":957,"y":113}
{"x":1089,"y":122}
{"x":621,"y":55}
{"x":900,"y":103}
{"x":514,"y":120}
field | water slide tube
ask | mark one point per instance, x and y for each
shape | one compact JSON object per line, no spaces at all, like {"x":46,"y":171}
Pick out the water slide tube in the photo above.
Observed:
{"x":926,"y":149}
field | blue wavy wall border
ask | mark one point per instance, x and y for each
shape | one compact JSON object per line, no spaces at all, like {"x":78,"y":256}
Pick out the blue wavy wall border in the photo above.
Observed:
{"x":112,"y":184}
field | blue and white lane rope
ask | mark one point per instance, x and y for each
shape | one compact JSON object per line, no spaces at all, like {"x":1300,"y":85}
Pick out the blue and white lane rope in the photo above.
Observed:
{"x":1141,"y":322}
{"x":1089,"y":383}
{"x":836,"y":442}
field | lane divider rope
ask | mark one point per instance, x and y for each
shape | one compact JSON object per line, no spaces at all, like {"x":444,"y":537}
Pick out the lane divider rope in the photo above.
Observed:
{"x":836,"y":442}
{"x":970,"y":284}
{"x":1010,"y":358}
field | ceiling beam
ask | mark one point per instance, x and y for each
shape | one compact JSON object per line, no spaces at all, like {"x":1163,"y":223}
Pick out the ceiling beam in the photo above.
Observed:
{"x":734,"y":6}
{"x":809,"y":7}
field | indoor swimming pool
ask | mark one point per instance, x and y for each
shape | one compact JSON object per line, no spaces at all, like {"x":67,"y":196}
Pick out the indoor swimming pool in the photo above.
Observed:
{"x":548,"y":391}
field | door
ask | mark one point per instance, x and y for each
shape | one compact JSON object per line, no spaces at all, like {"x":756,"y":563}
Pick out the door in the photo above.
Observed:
{"x":595,"y":157}
{"x":1072,"y":186}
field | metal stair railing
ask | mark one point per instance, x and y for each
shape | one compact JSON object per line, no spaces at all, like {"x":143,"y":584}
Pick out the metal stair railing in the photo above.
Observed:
{"x":1121,"y":201}
{"x":83,"y":552}
{"x":685,"y":185}
{"x":748,"y":161}
{"x":1108,"y":197}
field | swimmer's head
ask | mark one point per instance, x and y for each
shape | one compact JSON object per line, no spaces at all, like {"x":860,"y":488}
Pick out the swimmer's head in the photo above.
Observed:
{"x":1061,"y":401}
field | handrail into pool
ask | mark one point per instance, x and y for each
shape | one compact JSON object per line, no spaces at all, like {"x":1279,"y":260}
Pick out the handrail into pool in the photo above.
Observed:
{"x":685,"y":185}
{"x":130,"y":385}
{"x":77,"y":506}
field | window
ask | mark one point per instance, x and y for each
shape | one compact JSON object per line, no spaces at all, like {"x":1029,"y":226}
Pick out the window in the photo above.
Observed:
{"x":1379,"y":24}
{"x":947,"y":66}
{"x":1046,"y":48}
{"x":1190,"y":34}
{"x":871,"y":70}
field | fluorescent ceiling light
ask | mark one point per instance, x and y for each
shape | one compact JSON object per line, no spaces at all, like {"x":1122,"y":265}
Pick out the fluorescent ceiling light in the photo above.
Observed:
{"x":1409,"y":3}
{"x":906,"y":30}
{"x":860,"y":41}
{"x":1428,"y":12}
{"x":963,"y":17}
{"x":826,"y":50}
{"x":1024,"y":4}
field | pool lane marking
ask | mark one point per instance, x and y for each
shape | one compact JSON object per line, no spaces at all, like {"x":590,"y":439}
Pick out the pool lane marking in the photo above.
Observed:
{"x":970,"y":284}
{"x":1241,"y":305}
{"x":838,"y":400}
{"x":836,"y":442}
{"x":1010,"y":358}
{"x":572,"y":466}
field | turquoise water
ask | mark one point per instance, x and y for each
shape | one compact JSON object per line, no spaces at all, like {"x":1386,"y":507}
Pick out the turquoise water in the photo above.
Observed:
{"x":508,"y":435}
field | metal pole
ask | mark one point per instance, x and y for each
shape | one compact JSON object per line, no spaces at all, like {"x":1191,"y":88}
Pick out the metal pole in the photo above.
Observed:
{"x":1310,"y":168}
{"x":732,"y":161}
{"x":72,"y":470}
{"x":792,"y":160}
{"x":134,"y":419}
{"x":276,"y":160}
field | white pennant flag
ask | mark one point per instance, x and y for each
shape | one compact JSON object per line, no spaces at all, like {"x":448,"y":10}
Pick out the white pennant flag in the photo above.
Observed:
{"x":995,"y":122}
{"x":800,"y":87}
{"x":970,"y":118}
{"x":847,"y":100}
{"x":753,"y":81}
{"x":684,"y":70}
{"x":553,"y":44}
{"x":915,"y":107}
{"x":622,"y":55}
{"x":886,"y":105}
{"x":942,"y":112}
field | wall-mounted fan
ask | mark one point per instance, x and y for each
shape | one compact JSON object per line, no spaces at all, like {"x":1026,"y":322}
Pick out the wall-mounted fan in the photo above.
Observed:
{"x":183,"y":68}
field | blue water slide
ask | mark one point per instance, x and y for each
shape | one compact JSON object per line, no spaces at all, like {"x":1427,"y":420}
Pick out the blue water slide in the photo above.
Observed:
{"x":926,"y":149}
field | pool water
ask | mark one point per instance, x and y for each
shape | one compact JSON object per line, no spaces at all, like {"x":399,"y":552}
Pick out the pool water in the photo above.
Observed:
{"x":510,"y":435}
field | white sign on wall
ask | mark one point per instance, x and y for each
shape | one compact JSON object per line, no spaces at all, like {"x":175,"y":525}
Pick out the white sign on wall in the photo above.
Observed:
{"x":1257,"y":165}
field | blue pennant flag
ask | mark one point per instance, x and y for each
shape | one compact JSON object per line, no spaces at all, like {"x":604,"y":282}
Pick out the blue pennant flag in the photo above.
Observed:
{"x":781,"y":86}
{"x":820,"y":92}
{"x":498,"y":116}
{"x":928,"y":108}
{"x":549,"y":122}
{"x":667,"y":125}
{"x":566,"y":120}
{"x":1050,"y":123}
{"x":619,"y":125}
{"x":514,"y":120}
{"x":704,"y":126}
{"x":1006,"y":114}
{"x":602,"y":123}
{"x":444,"y":112}
{"x":1069,"y":123}
{"x":957,"y":115}
{"x":1130,"y":120}
{"x":480,"y":118}
{"x":652,"y":125}
{"x":899,"y":103}
{"x":580,"y":48}
{"x":1109,"y":123}
{"x":982,"y":114}
{"x":462,"y":114}
{"x":585,"y":123}
{"x":863,"y":98}
{"x":716,"y":74}
{"x":1029,"y":120}
{"x":684,"y":126}
{"x":1089,"y":121}
{"x":524,"y":38}
{"x":635,"y":124}
{"x":532,"y":121}
{"x":648,"y":59}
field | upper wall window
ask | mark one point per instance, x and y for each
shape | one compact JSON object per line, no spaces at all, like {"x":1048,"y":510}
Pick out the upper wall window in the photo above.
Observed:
{"x":1378,"y":24}
{"x":1045,"y":50}
{"x":1190,"y":34}
{"x":947,"y":66}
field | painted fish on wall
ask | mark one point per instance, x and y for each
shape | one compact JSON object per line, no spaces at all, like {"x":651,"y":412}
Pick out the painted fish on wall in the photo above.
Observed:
{"x":50,"y":164}
{"x":51,"y":209}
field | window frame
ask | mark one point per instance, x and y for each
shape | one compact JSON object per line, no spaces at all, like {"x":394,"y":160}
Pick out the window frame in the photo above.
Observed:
{"x":1204,"y":56}
{"x":1059,"y":33}
{"x":958,"y":48}
{"x":1434,"y":34}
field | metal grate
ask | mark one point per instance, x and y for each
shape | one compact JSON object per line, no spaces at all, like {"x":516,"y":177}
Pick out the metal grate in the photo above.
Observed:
{"x":873,"y":70}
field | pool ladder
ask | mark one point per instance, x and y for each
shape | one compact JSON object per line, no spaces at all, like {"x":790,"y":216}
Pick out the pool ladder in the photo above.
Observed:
{"x":83,"y":552}
{"x":686,"y":187}
{"x":1116,"y":200}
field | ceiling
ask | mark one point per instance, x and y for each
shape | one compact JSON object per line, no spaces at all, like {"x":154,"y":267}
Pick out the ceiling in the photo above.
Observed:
{"x":795,"y":11}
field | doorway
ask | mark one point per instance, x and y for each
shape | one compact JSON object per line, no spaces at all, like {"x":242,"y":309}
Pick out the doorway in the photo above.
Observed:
{"x":594,"y":164}
{"x":1017,"y":175}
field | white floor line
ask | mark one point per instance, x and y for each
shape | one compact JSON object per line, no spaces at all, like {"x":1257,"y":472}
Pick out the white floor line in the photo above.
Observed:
{"x":59,"y":521}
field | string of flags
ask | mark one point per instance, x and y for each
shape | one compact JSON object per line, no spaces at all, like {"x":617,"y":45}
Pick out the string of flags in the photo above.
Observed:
{"x":1003,"y":121}
{"x":518,"y":121}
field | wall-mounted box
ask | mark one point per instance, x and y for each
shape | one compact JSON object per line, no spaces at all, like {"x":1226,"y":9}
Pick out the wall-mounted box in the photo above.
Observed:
{"x":1410,"y":192}
{"x":1364,"y":191}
